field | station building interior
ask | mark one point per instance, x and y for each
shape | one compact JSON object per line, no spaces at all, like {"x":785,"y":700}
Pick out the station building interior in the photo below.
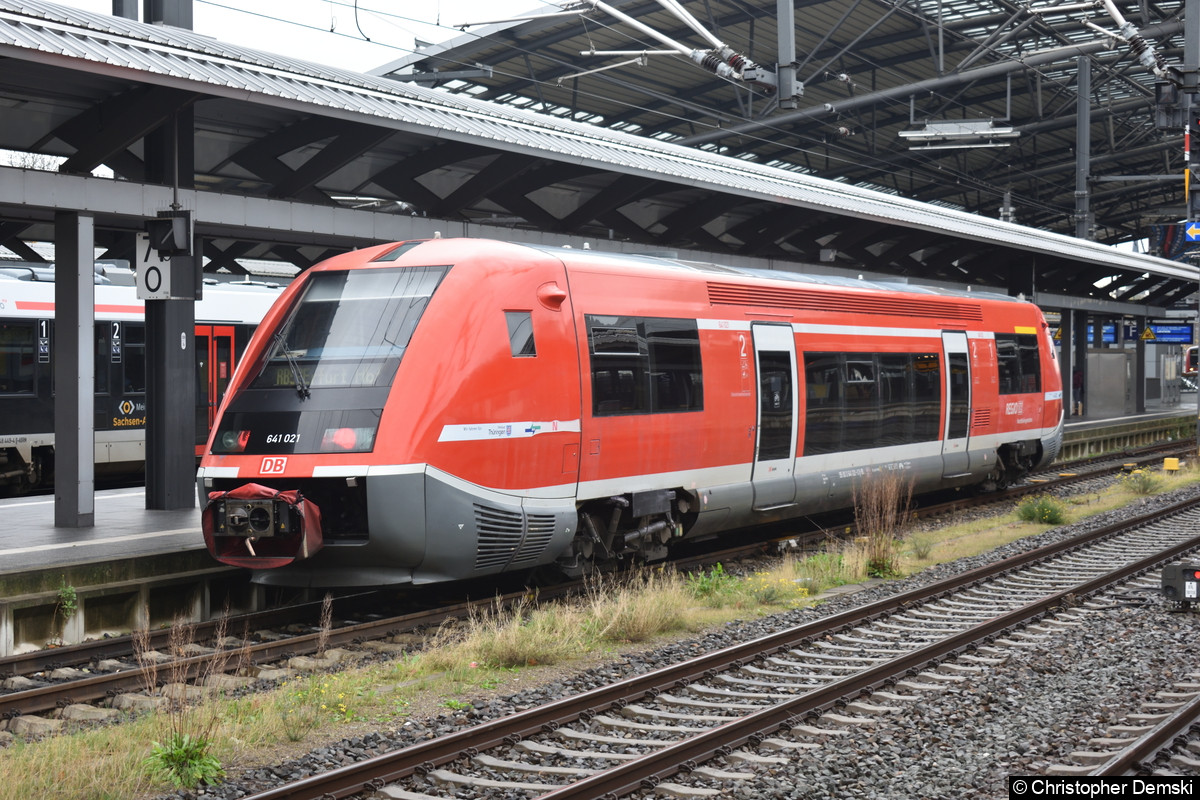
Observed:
{"x":1026,"y":149}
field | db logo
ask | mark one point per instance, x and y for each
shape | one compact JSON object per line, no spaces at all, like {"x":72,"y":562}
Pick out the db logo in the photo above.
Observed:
{"x":273,"y":466}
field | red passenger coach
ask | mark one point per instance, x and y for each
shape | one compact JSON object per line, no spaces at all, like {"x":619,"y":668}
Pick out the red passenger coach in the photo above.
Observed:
{"x":444,"y":409}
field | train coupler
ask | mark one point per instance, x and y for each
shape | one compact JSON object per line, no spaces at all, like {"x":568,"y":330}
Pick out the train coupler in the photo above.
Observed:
{"x":258,"y":527}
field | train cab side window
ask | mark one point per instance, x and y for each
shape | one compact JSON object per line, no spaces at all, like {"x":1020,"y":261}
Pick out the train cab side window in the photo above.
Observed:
{"x":133,"y":359}
{"x":520,"y":334}
{"x":644,"y":365}
{"x":1018,"y":363}
{"x":18,"y":357}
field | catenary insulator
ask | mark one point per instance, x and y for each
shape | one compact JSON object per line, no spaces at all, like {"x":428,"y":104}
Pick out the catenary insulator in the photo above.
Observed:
{"x":711,"y":62}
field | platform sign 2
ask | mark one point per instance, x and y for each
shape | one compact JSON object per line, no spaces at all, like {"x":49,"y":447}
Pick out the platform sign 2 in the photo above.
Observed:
{"x":115,"y":344}
{"x":153,"y":272}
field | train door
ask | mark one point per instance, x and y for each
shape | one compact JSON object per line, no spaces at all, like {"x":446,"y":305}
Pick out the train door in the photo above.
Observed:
{"x":214,"y":368}
{"x":955,"y":458}
{"x":775,"y":447}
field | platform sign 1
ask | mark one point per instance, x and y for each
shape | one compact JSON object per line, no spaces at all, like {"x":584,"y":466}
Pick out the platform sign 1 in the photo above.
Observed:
{"x":1192,"y":232}
{"x":153,"y":272}
{"x":43,"y":351}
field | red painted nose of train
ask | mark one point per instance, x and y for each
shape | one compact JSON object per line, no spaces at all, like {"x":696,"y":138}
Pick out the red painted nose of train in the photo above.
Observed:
{"x":303,"y":419}
{"x":387,"y":362}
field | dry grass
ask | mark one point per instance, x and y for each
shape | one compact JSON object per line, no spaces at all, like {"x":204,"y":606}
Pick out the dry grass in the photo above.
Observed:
{"x":656,"y":603}
{"x":882,"y":509}
{"x":520,"y":636}
{"x":953,"y":541}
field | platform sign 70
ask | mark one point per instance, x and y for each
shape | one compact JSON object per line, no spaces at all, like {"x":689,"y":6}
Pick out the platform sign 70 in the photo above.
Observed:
{"x":153,"y":272}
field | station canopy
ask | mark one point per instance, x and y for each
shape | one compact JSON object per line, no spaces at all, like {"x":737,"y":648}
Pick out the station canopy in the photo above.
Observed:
{"x":956,"y":102}
{"x":966,"y":107}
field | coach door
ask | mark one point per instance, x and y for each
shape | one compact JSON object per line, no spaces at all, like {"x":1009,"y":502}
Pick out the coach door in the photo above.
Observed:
{"x":214,"y":368}
{"x":775,"y":446}
{"x":955,"y":459}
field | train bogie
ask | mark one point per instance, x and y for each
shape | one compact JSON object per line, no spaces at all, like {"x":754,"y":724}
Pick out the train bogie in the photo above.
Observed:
{"x":458,"y":408}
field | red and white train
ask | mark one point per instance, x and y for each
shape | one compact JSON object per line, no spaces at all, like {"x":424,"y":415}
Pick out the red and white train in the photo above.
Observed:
{"x":443,"y":409}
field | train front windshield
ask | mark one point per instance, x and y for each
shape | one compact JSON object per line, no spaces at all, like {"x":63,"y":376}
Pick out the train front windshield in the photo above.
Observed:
{"x":349,"y":329}
{"x":325,"y":378}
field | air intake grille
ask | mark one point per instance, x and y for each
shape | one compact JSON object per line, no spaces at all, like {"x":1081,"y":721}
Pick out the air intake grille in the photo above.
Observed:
{"x":850,"y":302}
{"x":1053,"y":445}
{"x":506,"y":536}
{"x":541,"y":531}
{"x":500,"y":534}
{"x":981,"y":418}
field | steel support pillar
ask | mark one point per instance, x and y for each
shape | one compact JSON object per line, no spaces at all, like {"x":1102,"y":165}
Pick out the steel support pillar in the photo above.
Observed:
{"x":1081,"y":351}
{"x":72,"y":345}
{"x":1083,"y":149}
{"x":170,"y":404}
{"x":1139,"y":366}
{"x":171,"y":324}
{"x":785,"y":74}
{"x":1066,"y":359}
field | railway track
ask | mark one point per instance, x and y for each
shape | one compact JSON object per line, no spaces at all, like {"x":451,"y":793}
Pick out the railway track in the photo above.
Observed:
{"x":112,"y":668}
{"x":655,"y":732}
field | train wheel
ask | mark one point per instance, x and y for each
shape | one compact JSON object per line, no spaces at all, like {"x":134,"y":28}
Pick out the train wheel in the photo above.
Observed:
{"x":23,"y":481}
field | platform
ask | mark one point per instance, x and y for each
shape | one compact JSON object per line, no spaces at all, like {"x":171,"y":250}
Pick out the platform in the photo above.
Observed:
{"x":124,"y":529}
{"x":1087,"y":436}
{"x":135,"y":568}
{"x":1154,"y":410}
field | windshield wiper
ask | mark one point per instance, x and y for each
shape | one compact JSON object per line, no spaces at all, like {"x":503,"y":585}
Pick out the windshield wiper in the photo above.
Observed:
{"x":301,"y":385}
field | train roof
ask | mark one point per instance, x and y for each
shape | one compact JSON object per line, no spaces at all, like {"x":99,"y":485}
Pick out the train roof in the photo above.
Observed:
{"x":105,"y":271}
{"x":600,"y":258}
{"x":26,"y":292}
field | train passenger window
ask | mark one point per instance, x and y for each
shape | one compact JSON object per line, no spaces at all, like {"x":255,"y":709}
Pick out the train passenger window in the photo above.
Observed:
{"x":17,"y":357}
{"x":857,"y":401}
{"x":1018,"y":363}
{"x":1008,"y":364}
{"x":103,"y":355}
{"x":926,"y":397}
{"x":134,"y":359}
{"x":896,"y":412}
{"x":1031,"y":364}
{"x":823,"y":387}
{"x":520,"y":333}
{"x":644,"y":365}
{"x":862,"y":403}
{"x":675,"y":377}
